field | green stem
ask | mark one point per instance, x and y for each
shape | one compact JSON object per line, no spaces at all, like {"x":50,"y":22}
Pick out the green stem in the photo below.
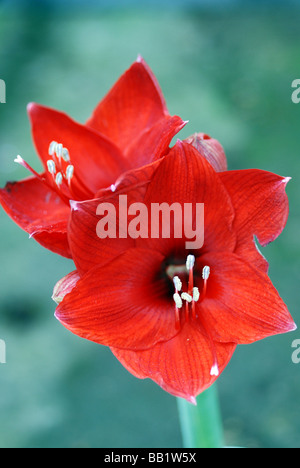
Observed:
{"x":201,"y":425}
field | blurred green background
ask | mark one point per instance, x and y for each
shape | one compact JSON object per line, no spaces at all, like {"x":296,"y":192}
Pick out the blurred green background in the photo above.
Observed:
{"x":227,"y":67}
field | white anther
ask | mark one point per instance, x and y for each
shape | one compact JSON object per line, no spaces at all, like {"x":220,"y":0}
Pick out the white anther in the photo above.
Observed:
{"x":52,"y":148}
{"x":196,"y":294}
{"x":214,"y":370}
{"x":66,"y":155}
{"x":190,"y":262}
{"x":186,"y":297}
{"x":69,"y":172}
{"x":59,"y":179}
{"x":177,"y":283}
{"x":59,"y":150}
{"x":177,"y":300}
{"x":206,"y":272}
{"x":51,"y":166}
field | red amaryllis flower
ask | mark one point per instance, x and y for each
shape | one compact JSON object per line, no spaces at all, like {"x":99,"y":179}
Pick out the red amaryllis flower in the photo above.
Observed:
{"x":130,"y":127}
{"x":168,"y":312}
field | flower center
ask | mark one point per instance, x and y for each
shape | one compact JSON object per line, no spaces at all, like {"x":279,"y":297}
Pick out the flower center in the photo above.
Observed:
{"x":60,"y":168}
{"x":185,"y":301}
{"x":192,"y":295}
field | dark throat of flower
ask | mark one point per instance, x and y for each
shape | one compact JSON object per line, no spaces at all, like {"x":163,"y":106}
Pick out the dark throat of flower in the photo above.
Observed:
{"x":185,"y":301}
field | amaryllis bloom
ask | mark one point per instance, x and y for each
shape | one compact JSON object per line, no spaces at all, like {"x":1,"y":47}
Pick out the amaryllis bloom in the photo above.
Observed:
{"x":130,"y":127}
{"x":168,"y":312}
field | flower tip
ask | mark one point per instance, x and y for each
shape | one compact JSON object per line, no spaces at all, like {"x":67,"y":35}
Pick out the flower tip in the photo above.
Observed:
{"x":294,"y":326}
{"x":192,"y":399}
{"x":140,"y":59}
{"x":32,"y":234}
{"x":55,"y":313}
{"x":285,"y":180}
{"x":31,"y":106}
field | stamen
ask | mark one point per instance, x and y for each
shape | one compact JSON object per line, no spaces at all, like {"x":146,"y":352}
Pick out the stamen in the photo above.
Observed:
{"x":177,"y":300}
{"x":190,"y":262}
{"x":196,"y":294}
{"x":51,"y":166}
{"x":205,"y":276}
{"x":186,"y":297}
{"x":59,"y":150}
{"x":206,"y":272}
{"x":69,"y":173}
{"x":177,"y":283}
{"x":52,"y":148}
{"x":59,"y":179}
{"x":66,"y":155}
{"x":191,"y":295}
{"x":64,"y":173}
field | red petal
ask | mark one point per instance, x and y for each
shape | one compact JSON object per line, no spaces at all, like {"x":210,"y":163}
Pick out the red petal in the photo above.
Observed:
{"x":241,"y":304}
{"x":184,"y":176}
{"x":39,"y":211}
{"x":123,"y":304}
{"x":154,"y":142}
{"x":182,"y":365}
{"x":211,"y":149}
{"x":134,"y":104}
{"x":88,"y":249}
{"x":261,"y":207}
{"x":98,"y":163}
{"x":54,"y":238}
